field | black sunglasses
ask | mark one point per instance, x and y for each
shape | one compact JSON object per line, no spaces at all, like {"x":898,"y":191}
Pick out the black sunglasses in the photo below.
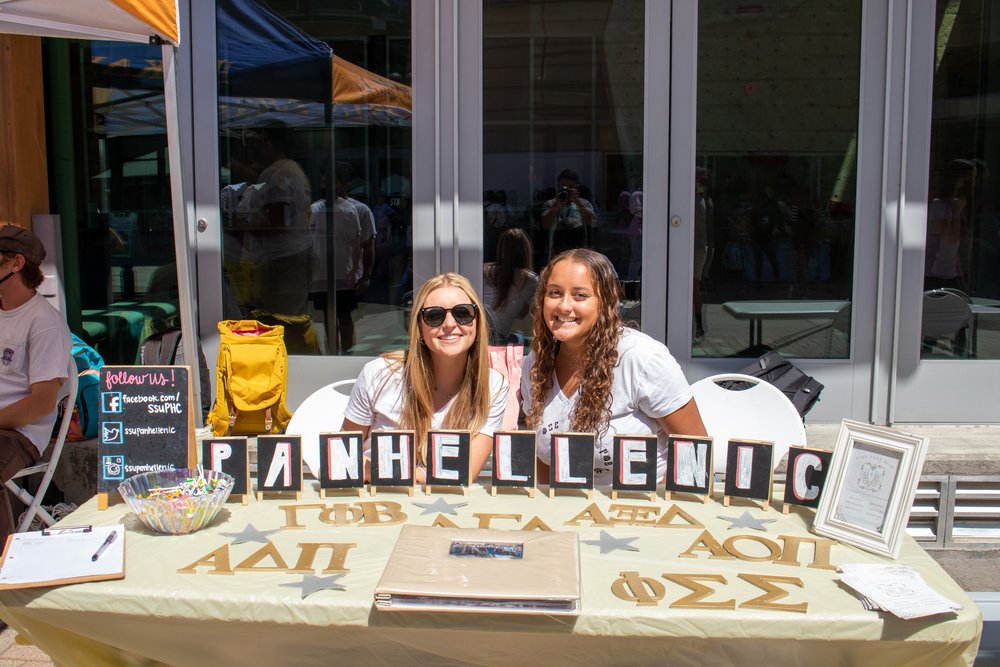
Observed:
{"x":433,"y":316}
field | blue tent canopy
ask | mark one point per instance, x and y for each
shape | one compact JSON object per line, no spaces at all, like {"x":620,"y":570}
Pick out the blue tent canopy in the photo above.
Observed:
{"x":269,"y":70}
{"x":263,"y":55}
{"x":260,"y":54}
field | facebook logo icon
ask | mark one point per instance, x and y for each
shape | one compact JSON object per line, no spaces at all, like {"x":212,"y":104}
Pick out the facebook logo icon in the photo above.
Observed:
{"x":111,"y":401}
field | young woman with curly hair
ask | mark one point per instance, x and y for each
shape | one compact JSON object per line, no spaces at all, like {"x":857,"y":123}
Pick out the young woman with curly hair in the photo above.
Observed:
{"x":444,"y":380}
{"x":587,"y":372}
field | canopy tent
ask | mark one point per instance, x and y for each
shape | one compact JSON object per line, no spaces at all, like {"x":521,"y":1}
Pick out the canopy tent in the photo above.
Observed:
{"x":269,"y":70}
{"x":123,"y":20}
{"x":140,"y":112}
{"x":129,"y":21}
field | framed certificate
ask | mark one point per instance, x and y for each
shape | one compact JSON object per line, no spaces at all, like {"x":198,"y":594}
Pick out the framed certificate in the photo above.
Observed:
{"x":869,"y":489}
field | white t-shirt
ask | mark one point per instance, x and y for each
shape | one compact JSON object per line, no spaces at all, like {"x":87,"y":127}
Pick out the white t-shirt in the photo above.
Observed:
{"x":647,"y":383}
{"x":347,"y":236}
{"x":34,"y":347}
{"x":377,"y":399}
{"x":366,"y":217}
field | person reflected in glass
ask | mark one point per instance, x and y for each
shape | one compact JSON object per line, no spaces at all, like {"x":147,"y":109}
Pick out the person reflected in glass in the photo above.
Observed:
{"x":369,"y":234}
{"x":587,"y":372}
{"x":443,"y":380}
{"x":509,"y":284}
{"x":567,"y":215}
{"x":802,"y":215}
{"x":277,"y":243}
{"x":767,"y":223}
{"x":344,"y":240}
{"x":496,"y":218}
{"x":630,"y":207}
{"x":949,"y":228}
{"x":704,"y":212}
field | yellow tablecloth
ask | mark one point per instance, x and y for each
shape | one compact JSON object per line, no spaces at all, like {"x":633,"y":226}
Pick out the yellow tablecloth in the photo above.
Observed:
{"x":161,"y":614}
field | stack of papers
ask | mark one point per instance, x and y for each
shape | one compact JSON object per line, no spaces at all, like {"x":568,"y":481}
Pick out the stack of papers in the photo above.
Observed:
{"x":898,"y":589}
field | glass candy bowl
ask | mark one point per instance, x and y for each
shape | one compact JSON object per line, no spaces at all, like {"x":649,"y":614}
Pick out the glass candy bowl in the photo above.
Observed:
{"x":177,"y":501}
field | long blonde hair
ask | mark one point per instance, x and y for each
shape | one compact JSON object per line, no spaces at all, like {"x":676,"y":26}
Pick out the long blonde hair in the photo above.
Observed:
{"x":593,"y":408}
{"x":471,"y":405}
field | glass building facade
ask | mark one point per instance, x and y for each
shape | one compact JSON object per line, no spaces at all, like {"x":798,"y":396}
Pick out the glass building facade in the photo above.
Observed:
{"x":810,"y":176}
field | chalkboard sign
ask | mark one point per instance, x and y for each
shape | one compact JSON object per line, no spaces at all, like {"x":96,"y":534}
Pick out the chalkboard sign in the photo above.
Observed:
{"x":689,"y":465}
{"x":392,"y":459}
{"x":571,"y":461}
{"x":806,"y":475}
{"x":341,"y":464}
{"x":448,"y":457}
{"x":634,"y":466}
{"x":279,"y":464}
{"x":231,"y":456}
{"x":145,"y":423}
{"x":514,"y":459}
{"x":749,"y":470}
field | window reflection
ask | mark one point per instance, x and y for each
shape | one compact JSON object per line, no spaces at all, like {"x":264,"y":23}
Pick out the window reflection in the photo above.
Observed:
{"x":961,"y":302}
{"x":314,"y":118}
{"x":562,"y":144}
{"x":775,"y":179}
{"x":113,"y":192}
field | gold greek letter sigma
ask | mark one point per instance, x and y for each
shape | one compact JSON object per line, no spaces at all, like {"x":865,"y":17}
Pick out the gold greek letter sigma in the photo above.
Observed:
{"x":773,"y":593}
{"x":698,"y":591}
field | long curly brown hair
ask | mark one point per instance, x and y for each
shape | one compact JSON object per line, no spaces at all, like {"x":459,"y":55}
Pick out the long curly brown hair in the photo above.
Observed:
{"x":593,"y":408}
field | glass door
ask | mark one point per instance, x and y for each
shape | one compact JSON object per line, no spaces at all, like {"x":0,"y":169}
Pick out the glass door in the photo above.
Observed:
{"x":304,"y":189}
{"x":950,"y":289}
{"x":713,"y":152}
{"x":766,"y":191}
{"x":562,"y":148}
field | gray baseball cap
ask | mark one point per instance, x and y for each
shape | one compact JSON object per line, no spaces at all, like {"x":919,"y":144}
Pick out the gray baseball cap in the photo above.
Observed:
{"x":23,"y":242}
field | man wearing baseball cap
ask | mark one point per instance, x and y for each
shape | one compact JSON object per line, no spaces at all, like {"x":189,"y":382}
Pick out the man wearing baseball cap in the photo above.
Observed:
{"x":34,"y":357}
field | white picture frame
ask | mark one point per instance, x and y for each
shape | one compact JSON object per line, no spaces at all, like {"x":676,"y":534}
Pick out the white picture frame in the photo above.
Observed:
{"x":870,"y":487}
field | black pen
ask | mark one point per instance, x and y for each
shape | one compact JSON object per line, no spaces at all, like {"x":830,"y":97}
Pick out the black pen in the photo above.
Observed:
{"x":107,"y":542}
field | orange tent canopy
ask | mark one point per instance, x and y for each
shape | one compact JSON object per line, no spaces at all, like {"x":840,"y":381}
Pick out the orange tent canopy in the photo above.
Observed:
{"x":122,"y":20}
{"x":355,"y":85}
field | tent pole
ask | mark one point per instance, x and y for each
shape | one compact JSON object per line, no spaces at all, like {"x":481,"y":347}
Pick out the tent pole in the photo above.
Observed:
{"x":182,"y":246}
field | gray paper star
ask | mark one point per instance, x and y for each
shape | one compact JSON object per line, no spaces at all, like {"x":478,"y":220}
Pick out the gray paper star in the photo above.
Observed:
{"x":609,"y":543}
{"x":311,"y":583}
{"x":440,"y":506}
{"x":250,"y":534}
{"x":746,"y":521}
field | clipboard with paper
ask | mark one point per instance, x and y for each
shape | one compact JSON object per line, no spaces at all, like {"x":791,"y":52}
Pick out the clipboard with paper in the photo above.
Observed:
{"x":58,"y":556}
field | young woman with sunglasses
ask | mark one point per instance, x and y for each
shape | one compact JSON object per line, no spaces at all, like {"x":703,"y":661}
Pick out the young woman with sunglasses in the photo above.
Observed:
{"x":587,"y":372}
{"x":444,"y":380}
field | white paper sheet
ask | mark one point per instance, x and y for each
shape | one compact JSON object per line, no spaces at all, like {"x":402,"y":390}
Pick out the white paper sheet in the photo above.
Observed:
{"x":34,"y":557}
{"x":898,"y":589}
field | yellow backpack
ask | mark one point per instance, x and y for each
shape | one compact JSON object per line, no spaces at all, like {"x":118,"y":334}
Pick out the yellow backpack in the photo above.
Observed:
{"x":252,"y":380}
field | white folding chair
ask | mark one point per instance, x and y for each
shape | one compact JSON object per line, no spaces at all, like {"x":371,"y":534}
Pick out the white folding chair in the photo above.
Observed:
{"x":761,"y":412}
{"x":321,"y":412}
{"x":34,"y":501}
{"x":946,"y":314}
